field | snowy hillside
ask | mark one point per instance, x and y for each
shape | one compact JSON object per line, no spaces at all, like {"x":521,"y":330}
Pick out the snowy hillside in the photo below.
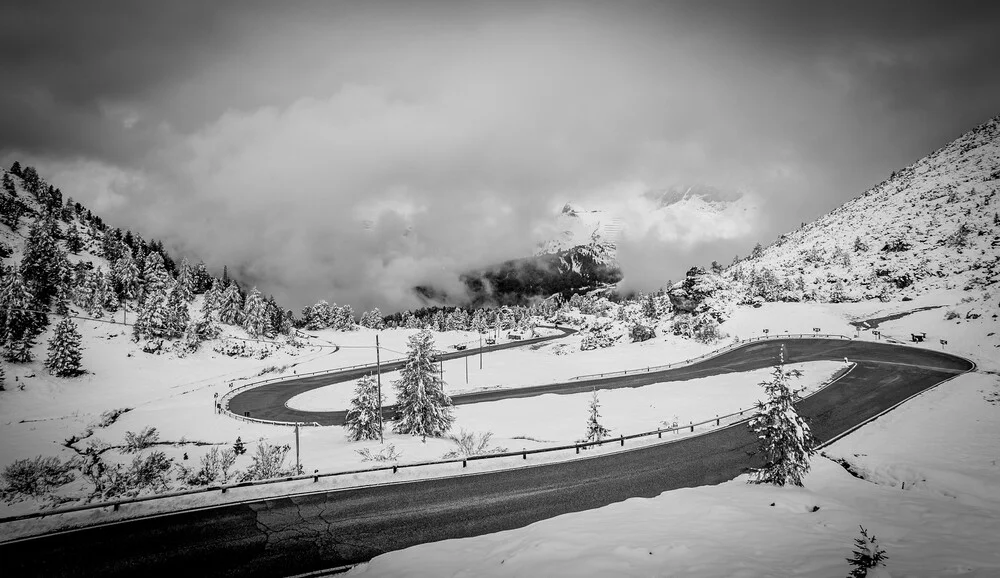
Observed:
{"x":933,"y":225}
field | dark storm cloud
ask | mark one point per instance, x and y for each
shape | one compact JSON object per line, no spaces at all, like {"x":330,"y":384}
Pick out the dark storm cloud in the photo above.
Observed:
{"x":263,"y":135}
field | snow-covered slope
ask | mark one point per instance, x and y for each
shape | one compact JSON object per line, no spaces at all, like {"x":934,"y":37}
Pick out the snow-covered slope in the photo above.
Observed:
{"x":933,"y":225}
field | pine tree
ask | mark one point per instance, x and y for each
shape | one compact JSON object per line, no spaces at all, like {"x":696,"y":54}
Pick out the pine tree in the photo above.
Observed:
{"x":153,"y":319}
{"x":256,"y":320}
{"x":126,"y":272}
{"x":3,"y":373}
{"x":41,"y":260}
{"x":213,"y":298}
{"x":372,"y":319}
{"x":319,"y":316}
{"x":422,"y":407}
{"x":231,"y":306}
{"x":363,"y":421}
{"x":595,"y":431}
{"x":19,"y":324}
{"x":73,"y":240}
{"x":64,"y":350}
{"x":202,"y":280}
{"x":185,"y":280}
{"x":866,"y":556}
{"x":154,"y":275}
{"x":785,"y":438}
{"x":100,"y":292}
{"x":177,"y":315}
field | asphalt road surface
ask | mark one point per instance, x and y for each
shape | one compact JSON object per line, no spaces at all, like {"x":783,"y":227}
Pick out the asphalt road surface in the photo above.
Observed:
{"x":285,"y":536}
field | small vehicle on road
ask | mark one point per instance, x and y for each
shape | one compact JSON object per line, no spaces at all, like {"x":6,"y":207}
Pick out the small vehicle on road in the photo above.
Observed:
{"x":490,"y":341}
{"x":461,"y":346}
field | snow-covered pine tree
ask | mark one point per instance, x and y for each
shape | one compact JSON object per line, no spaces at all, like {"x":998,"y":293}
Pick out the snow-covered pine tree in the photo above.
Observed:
{"x":256,"y":320}
{"x":96,"y":304}
{"x":3,"y":373}
{"x":231,"y":306}
{"x":202,"y":280}
{"x":111,"y":303}
{"x":478,"y":322}
{"x":868,"y":555}
{"x":154,"y":275}
{"x":41,"y":260}
{"x":422,"y":407}
{"x":363,"y":421}
{"x":213,"y":297}
{"x":19,"y":325}
{"x":83,"y":293}
{"x":319,"y":316}
{"x":64,"y":350}
{"x":786,"y":441}
{"x":185,"y":280}
{"x":153,"y":319}
{"x":595,"y":431}
{"x":177,"y":315}
{"x":126,"y":272}
{"x":73,"y":240}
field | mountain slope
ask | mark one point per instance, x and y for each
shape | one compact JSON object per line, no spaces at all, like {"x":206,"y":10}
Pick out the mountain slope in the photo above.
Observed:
{"x":933,"y":225}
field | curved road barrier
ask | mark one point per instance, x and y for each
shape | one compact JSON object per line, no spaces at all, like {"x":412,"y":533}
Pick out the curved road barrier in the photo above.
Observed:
{"x":307,"y":532}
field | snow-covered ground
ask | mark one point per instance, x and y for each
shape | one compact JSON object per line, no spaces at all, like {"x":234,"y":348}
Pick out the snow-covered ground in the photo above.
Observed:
{"x":945,"y":521}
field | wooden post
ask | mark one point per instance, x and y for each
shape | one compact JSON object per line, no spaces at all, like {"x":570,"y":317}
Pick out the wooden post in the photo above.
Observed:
{"x":298,"y":466}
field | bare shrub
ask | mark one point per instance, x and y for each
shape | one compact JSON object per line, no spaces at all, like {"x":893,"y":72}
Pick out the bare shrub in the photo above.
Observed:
{"x":35,"y":477}
{"x":216,"y":467}
{"x":136,"y":442}
{"x":386,"y":454}
{"x":472,"y":444}
{"x":268,"y":462}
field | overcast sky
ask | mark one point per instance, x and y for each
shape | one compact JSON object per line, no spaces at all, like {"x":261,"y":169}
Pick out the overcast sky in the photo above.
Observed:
{"x":351,"y":150}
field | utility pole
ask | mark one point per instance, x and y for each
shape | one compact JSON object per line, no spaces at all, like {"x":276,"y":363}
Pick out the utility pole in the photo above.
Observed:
{"x":466,"y":370}
{"x":480,"y":351}
{"x":441,"y":362}
{"x":298,"y":466}
{"x":378,"y":373}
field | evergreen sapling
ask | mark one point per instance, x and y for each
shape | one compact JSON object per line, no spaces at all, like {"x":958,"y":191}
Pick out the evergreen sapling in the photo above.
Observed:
{"x":363,"y":421}
{"x":785,"y":438}
{"x":866,"y":556}
{"x":595,"y":431}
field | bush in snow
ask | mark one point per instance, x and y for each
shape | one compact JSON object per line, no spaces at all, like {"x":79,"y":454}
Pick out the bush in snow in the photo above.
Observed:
{"x":866,"y":556}
{"x":951,"y":314}
{"x":64,"y":350}
{"x":215,"y":467}
{"x":785,"y":439}
{"x":31,"y":478}
{"x":859,"y":245}
{"x":640,"y":332}
{"x":268,"y":462}
{"x":897,"y":245}
{"x":422,"y":407}
{"x":363,"y":421}
{"x":386,"y":454}
{"x":136,"y":442}
{"x":472,"y":444}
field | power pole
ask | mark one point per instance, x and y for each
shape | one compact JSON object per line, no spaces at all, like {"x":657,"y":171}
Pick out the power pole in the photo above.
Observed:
{"x":378,"y":373}
{"x":298,"y":466}
{"x":480,"y":351}
{"x":466,"y":370}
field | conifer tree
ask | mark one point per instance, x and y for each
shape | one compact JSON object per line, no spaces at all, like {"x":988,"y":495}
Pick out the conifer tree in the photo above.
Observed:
{"x":185,"y":280}
{"x":213,"y":297}
{"x":126,"y":272}
{"x":786,"y":441}
{"x":154,"y":275}
{"x":100,"y":289}
{"x":363,"y":421}
{"x":177,"y":314}
{"x":3,"y":374}
{"x":256,"y":320}
{"x":19,"y":324}
{"x":74,"y":243}
{"x":202,"y":280}
{"x":231,"y":306}
{"x":868,"y":555}
{"x":319,"y":316}
{"x":64,"y":350}
{"x":111,"y":302}
{"x":41,"y":260}
{"x":422,"y":407}
{"x":153,"y":319}
{"x":595,"y":431}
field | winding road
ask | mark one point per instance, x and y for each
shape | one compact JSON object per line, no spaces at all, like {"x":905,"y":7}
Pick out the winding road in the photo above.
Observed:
{"x":308,"y":532}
